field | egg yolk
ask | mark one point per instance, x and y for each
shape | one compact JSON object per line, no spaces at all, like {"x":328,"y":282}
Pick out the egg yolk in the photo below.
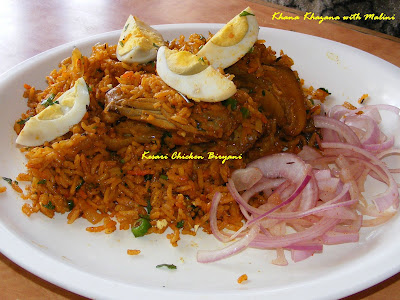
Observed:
{"x":51,"y":113}
{"x":184,"y":62}
{"x":232,"y":33}
{"x":138,"y":34}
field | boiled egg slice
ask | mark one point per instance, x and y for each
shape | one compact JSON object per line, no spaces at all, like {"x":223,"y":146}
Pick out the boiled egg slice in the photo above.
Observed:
{"x":232,"y":41}
{"x":138,"y":42}
{"x":191,"y":76}
{"x":57,"y":118}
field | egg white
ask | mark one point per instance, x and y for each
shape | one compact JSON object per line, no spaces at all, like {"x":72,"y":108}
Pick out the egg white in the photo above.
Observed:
{"x":58,"y":118}
{"x":138,"y":42}
{"x":223,"y":56}
{"x":208,"y":85}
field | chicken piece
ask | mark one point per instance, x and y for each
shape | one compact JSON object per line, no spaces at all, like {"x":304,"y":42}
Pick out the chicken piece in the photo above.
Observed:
{"x":207,"y":120}
{"x":129,"y":131}
{"x":273,"y":85}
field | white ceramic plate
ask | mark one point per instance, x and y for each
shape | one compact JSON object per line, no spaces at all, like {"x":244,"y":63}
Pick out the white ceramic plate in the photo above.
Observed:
{"x":97,"y":266}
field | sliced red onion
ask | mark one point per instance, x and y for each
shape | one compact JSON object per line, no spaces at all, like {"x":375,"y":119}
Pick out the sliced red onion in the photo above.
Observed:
{"x":322,"y":174}
{"x":328,"y":185}
{"x":387,"y":144}
{"x":373,"y":108}
{"x":299,"y":255}
{"x":315,"y":231}
{"x":207,"y":256}
{"x":353,"y":227}
{"x":334,"y":238}
{"x":309,"y":196}
{"x":339,"y":212}
{"x":246,"y":178}
{"x":332,"y":204}
{"x":391,"y":196}
{"x":213,"y":218}
{"x":330,"y":135}
{"x":265,"y":184}
{"x":281,"y":165}
{"x":339,"y":127}
{"x":338,"y":111}
{"x":308,"y":245}
{"x":291,"y":198}
{"x":280,"y":259}
{"x":308,"y":153}
{"x":369,"y":128}
{"x":320,"y":204}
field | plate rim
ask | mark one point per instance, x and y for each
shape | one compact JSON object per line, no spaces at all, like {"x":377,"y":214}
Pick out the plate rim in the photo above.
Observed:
{"x":6,"y":233}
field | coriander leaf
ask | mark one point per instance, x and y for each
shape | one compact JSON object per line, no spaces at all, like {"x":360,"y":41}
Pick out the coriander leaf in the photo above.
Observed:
{"x":230,"y":101}
{"x":49,"y":101}
{"x":165,"y":134}
{"x":71,"y":204}
{"x":42,"y":181}
{"x":79,"y":185}
{"x":22,"y":122}
{"x":49,"y":205}
{"x":9,"y":180}
{"x":325,"y":90}
{"x":169,"y":266}
{"x":148,"y":177}
{"x":148,"y":206}
{"x":163,"y":176}
{"x":245,"y":13}
{"x":180,"y":223}
{"x":245,"y":112}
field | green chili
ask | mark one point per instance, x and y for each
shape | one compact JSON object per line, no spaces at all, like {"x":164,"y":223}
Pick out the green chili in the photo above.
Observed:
{"x":141,"y":227}
{"x":163,"y":176}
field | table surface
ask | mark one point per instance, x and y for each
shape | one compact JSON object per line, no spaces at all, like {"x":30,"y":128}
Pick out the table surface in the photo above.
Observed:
{"x":31,"y":27}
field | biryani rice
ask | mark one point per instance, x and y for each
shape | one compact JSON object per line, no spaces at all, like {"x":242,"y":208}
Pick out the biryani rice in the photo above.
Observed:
{"x":79,"y":175}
